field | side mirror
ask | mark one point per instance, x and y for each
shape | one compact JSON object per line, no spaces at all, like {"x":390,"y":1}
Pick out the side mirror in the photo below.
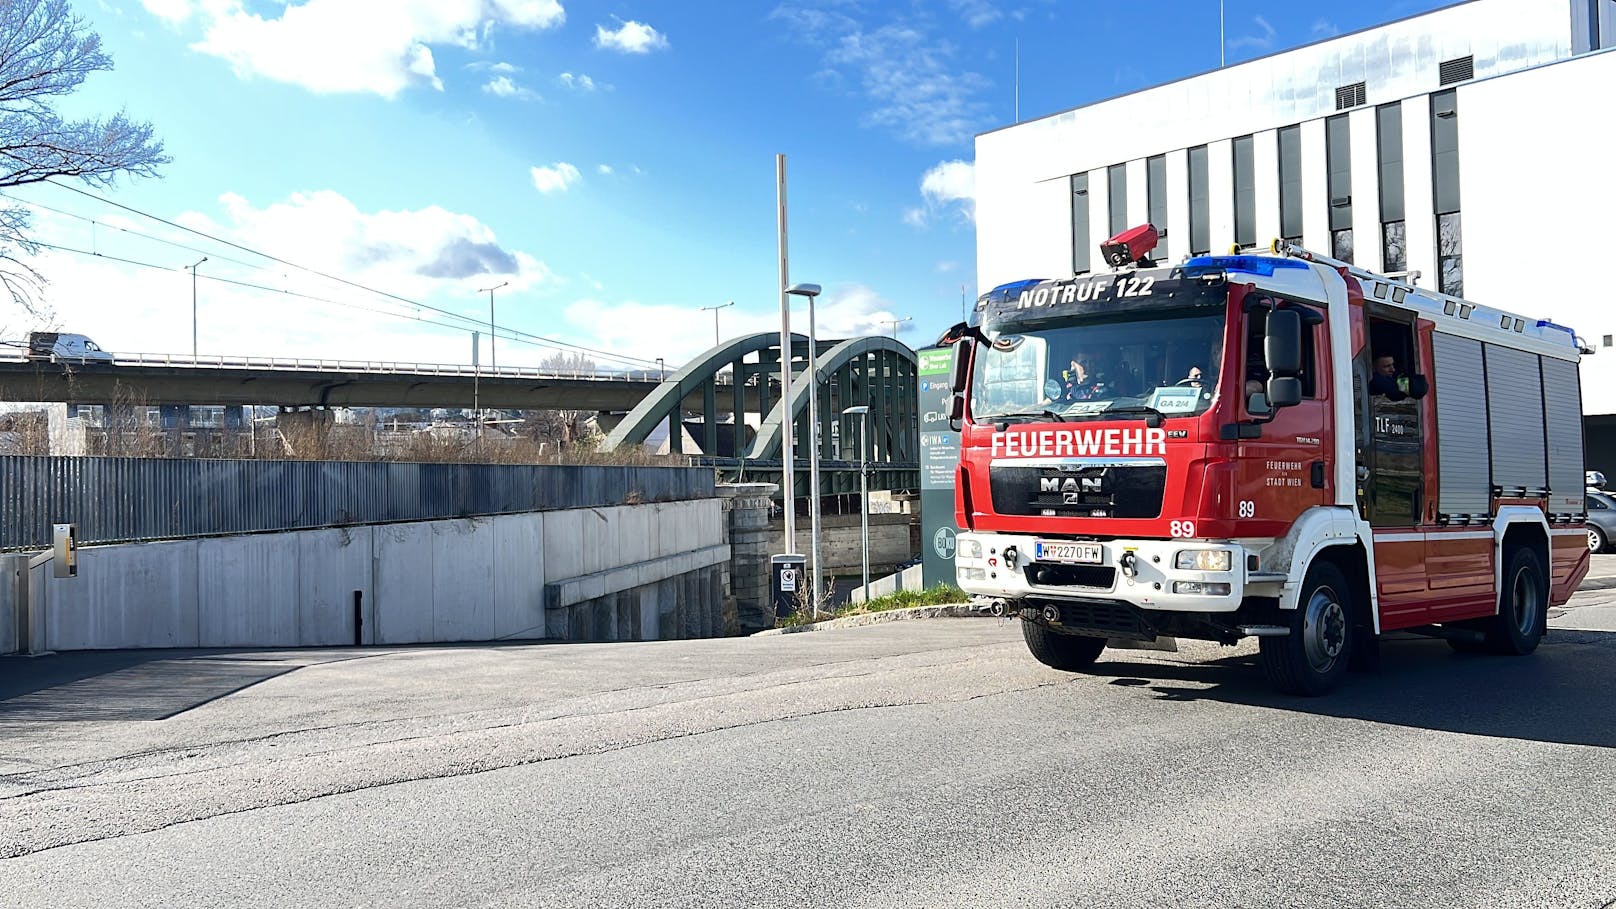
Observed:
{"x":1418,"y":387}
{"x":1284,"y":391}
{"x":962,"y":367}
{"x":1257,"y":404}
{"x":956,"y":411}
{"x":1282,"y":343}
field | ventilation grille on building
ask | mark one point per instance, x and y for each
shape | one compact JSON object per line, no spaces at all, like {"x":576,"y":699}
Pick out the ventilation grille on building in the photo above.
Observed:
{"x":1461,"y":70}
{"x":1349,"y":96}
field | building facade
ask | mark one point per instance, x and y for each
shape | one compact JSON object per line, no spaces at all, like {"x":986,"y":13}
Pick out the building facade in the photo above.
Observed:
{"x":1472,"y":145}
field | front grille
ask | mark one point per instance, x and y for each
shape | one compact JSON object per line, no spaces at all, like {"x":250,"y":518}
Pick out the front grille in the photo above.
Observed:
{"x":1099,"y":618}
{"x":1046,"y":575}
{"x":1079,"y":491}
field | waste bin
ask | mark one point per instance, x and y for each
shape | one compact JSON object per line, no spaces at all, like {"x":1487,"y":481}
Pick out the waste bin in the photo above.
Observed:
{"x":788,"y":580}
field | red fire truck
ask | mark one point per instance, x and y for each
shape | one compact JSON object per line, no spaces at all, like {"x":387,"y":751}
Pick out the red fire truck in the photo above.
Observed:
{"x":1280,"y":446}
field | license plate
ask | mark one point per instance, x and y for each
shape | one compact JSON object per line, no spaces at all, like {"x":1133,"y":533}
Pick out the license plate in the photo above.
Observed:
{"x":1080,"y":553}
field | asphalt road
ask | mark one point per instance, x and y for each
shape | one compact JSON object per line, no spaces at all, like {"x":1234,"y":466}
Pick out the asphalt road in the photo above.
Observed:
{"x":911,"y":764}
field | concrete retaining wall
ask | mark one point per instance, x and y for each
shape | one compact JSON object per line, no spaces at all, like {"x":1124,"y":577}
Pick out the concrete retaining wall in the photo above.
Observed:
{"x":629,"y":572}
{"x":841,"y":541}
{"x":908,"y":579}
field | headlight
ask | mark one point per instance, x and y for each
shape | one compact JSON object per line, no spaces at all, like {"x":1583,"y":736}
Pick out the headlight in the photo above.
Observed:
{"x":1203,"y":560}
{"x":1201,"y":588}
{"x":970,"y":549}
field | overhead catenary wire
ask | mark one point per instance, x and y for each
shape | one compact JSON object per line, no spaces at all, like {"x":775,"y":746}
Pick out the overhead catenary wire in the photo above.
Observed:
{"x":472,"y":323}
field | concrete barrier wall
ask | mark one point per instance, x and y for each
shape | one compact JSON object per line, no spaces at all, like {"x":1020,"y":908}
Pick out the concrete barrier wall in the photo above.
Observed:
{"x":468,"y":579}
{"x":908,"y":579}
{"x":841,"y":541}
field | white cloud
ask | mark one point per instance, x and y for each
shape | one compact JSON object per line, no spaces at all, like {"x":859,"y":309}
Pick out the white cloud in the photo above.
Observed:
{"x":630,"y":37}
{"x":430,"y":255}
{"x":1262,"y":42}
{"x":555,"y":178}
{"x":678,"y":333}
{"x":491,"y":67}
{"x":1324,"y":28}
{"x":605,"y":170}
{"x":332,"y":46}
{"x":976,"y":13}
{"x":174,"y":11}
{"x":577,"y":82}
{"x":948,"y":185}
{"x":910,"y":73}
{"x":505,"y":87}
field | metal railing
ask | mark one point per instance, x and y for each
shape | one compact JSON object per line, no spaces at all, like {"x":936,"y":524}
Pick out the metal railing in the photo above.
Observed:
{"x":378,"y":367}
{"x":125,"y":499}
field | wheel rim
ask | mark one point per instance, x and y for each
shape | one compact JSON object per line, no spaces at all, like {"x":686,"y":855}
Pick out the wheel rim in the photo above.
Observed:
{"x":1526,"y":594}
{"x":1324,"y":629}
{"x":1595,"y":542}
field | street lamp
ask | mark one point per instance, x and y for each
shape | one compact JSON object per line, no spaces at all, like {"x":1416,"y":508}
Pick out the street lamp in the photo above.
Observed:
{"x":493,"y":361}
{"x":193,"y":304}
{"x":715,"y":310}
{"x":895,"y":323}
{"x":661,"y":370}
{"x":811,"y":291}
{"x":863,"y":410}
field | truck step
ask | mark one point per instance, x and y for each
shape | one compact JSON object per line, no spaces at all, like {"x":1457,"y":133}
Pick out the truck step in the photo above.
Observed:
{"x":1264,"y":631}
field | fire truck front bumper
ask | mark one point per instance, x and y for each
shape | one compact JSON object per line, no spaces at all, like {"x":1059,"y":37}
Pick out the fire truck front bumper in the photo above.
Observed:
{"x":1171,"y":575}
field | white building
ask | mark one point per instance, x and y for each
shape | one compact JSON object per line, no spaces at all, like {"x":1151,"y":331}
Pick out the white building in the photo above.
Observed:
{"x":1475,"y":144}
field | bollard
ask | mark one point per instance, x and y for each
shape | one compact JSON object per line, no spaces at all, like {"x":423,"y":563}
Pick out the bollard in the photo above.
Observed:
{"x":358,"y":618}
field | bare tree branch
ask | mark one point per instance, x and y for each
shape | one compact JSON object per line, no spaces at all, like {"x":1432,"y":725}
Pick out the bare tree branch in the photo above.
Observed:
{"x":46,"y":53}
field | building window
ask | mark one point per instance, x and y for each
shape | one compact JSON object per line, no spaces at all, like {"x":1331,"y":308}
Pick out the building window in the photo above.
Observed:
{"x":1290,"y":184}
{"x":1445,"y":191}
{"x":1245,"y":191}
{"x":1389,"y":151}
{"x":1117,"y":180}
{"x":1200,"y":203}
{"x":1156,"y":201}
{"x":1080,"y":223}
{"x":1338,"y":157}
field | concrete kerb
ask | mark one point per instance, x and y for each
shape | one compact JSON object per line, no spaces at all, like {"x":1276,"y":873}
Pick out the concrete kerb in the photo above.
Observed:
{"x":941,"y":611}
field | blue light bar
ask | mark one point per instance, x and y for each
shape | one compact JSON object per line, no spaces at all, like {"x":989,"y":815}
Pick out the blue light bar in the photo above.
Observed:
{"x":1545,"y":323}
{"x":1251,"y":265}
{"x":1007,"y":291}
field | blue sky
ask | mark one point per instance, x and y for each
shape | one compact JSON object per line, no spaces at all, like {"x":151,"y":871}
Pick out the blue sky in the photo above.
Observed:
{"x":613,"y":161}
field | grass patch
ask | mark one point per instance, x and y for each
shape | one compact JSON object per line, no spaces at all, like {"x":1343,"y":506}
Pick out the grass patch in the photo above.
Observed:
{"x":935,"y":595}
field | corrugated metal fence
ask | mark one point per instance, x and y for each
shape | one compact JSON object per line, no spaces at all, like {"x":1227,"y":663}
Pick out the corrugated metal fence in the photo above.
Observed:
{"x":121,"y":499}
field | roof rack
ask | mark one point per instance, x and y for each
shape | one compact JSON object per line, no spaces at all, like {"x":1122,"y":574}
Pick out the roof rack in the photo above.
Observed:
{"x":1438,"y":305}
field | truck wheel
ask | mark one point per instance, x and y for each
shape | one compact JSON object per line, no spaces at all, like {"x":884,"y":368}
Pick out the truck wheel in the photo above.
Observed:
{"x":1312,"y":658}
{"x":1522,"y":605}
{"x":1070,"y":652}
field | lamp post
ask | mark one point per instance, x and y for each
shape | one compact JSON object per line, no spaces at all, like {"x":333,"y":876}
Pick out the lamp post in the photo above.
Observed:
{"x":493,"y":360}
{"x":193,"y":304}
{"x":811,"y":291}
{"x":863,"y":411}
{"x":715,"y":310}
{"x":895,"y":323}
{"x":788,"y":467}
{"x":661,"y":370}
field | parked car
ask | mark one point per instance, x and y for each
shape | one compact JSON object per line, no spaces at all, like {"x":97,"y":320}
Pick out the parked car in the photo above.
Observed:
{"x":1601,"y":520}
{"x":59,"y":345}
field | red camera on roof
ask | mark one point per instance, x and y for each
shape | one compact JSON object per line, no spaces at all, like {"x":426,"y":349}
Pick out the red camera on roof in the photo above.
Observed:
{"x":1130,"y":246}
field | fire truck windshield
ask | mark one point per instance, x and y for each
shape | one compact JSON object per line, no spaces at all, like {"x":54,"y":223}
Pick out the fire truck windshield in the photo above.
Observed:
{"x":1166,"y":362}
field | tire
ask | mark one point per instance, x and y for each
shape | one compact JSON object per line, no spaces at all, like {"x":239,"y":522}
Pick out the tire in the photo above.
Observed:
{"x":1596,"y":539}
{"x":1312,"y":659}
{"x":1522,"y":605}
{"x":1068,"y":652}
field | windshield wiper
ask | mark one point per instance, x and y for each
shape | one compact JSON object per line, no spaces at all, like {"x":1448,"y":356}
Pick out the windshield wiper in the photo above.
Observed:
{"x":1153,"y":417}
{"x":1028,"y":415}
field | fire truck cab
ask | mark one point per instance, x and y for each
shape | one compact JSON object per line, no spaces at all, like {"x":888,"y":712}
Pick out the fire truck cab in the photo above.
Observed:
{"x":1280,"y":446}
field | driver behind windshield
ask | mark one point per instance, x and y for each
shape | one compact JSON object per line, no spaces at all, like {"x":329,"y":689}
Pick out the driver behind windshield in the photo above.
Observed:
{"x":1079,"y":383}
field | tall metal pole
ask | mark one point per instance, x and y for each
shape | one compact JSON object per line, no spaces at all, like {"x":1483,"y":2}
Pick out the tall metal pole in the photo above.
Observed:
{"x":493,"y":359}
{"x":864,"y":495}
{"x":788,"y":465}
{"x":476,"y":380}
{"x":815,"y":580}
{"x":193,"y":305}
{"x":715,"y":310}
